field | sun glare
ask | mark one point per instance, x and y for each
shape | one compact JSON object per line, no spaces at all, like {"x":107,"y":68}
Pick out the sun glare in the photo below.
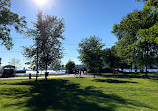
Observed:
{"x":41,"y":2}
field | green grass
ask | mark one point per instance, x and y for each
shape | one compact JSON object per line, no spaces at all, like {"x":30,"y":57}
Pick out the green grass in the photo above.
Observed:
{"x":122,"y":75}
{"x":28,"y":75}
{"x":80,"y":94}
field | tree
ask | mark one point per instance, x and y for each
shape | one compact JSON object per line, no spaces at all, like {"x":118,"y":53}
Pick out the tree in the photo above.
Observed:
{"x":9,"y":20}
{"x":148,"y":36}
{"x":90,"y":50}
{"x":126,"y":33}
{"x":70,"y":66}
{"x":110,"y":57}
{"x":137,"y":36}
{"x":15,"y":62}
{"x":57,"y":65}
{"x":47,"y":36}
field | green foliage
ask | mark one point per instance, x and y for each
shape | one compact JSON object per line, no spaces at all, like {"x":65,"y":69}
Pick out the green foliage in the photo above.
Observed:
{"x":150,"y":3}
{"x":47,"y":36}
{"x":110,"y":57}
{"x":70,"y":66}
{"x":9,"y":20}
{"x":137,"y":36}
{"x":126,"y":33}
{"x":90,"y":50}
{"x":57,"y":65}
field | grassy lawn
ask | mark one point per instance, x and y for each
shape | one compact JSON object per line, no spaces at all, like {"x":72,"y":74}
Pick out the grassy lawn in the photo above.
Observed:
{"x":28,"y":75}
{"x":122,"y":75}
{"x":80,"y":94}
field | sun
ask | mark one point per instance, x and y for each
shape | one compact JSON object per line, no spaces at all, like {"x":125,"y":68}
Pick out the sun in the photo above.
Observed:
{"x":41,"y":2}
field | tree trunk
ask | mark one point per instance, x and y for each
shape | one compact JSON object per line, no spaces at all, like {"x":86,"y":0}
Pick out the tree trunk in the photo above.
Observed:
{"x":146,"y":65}
{"x":146,"y":70}
{"x":37,"y":64}
{"x":93,"y":74}
{"x":142,"y":68}
{"x":131,"y":67}
{"x":46,"y":70}
{"x":135,"y":68}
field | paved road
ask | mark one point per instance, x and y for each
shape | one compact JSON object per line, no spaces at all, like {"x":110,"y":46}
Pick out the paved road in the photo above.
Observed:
{"x":54,"y":76}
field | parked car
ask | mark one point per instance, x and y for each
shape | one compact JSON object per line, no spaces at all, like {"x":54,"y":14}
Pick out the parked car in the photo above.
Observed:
{"x":7,"y":71}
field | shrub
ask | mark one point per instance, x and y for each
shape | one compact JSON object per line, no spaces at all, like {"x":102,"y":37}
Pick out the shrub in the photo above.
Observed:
{"x":70,"y":66}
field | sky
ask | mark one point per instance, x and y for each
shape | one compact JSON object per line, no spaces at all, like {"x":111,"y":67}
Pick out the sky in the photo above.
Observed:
{"x":82,"y":18}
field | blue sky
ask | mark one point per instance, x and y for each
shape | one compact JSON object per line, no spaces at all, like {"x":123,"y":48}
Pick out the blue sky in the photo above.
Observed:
{"x":83,"y":18}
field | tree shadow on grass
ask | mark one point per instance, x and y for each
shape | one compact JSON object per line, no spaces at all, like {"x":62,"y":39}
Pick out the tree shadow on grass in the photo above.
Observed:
{"x":128,"y":76}
{"x":112,"y":81}
{"x":153,"y":79}
{"x":62,"y":95}
{"x":123,"y":76}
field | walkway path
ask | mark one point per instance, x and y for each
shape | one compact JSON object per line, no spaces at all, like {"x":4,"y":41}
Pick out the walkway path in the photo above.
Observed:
{"x":54,"y":76}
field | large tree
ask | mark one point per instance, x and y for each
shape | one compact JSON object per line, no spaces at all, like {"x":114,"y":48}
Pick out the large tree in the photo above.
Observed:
{"x":137,"y":36}
{"x":90,"y":50}
{"x":126,"y":34}
{"x":9,"y":20}
{"x":47,"y":36}
{"x":148,"y":36}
